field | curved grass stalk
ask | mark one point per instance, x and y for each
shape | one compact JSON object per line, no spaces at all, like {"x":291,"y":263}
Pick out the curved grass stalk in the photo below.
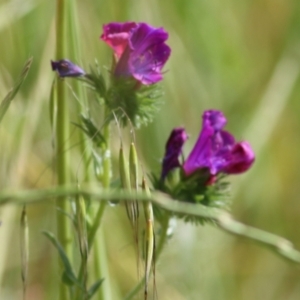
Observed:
{"x":222,"y":219}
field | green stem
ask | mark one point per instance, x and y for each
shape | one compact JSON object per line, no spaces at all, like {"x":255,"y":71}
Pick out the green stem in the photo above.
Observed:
{"x":62,"y":135}
{"x":98,"y":217}
{"x":91,"y":241}
{"x":85,"y":148}
{"x":101,"y":267}
{"x":96,"y":224}
{"x":78,"y":89}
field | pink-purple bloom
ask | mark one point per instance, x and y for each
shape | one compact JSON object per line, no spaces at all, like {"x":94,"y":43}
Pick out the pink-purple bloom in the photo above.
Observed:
{"x":139,"y":49}
{"x":173,"y":150}
{"x":215,"y":150}
{"x":66,"y":68}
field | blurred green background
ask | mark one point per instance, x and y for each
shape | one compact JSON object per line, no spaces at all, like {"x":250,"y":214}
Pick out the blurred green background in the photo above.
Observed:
{"x":242,"y":57}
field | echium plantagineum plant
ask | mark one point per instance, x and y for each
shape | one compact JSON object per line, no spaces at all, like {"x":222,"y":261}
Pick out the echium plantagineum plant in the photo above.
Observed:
{"x":129,"y":92}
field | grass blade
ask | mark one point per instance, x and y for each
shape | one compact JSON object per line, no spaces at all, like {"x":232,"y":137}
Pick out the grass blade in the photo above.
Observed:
{"x":69,"y":277}
{"x":94,"y":288}
{"x":12,"y":93}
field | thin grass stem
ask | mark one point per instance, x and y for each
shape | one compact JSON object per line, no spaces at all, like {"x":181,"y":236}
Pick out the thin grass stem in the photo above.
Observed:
{"x":62,"y":134}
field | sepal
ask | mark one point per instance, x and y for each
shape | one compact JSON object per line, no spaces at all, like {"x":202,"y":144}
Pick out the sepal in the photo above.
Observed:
{"x":197,"y":189}
{"x":129,"y":100}
{"x":96,"y":81}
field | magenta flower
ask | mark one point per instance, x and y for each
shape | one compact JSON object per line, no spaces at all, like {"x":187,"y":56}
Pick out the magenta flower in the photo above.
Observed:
{"x":140,"y":50}
{"x":217,"y":150}
{"x":173,"y":150}
{"x":66,"y":68}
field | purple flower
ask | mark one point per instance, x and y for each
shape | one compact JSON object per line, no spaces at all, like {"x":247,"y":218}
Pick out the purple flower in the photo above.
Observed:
{"x":173,"y":150}
{"x":140,"y":50}
{"x":66,"y":68}
{"x":217,"y":150}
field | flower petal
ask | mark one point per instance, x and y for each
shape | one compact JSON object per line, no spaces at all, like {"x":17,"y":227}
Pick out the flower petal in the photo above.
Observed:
{"x":149,"y":53}
{"x":116,"y":35}
{"x":145,"y":36}
{"x":217,"y":150}
{"x":211,"y":141}
{"x":214,"y":118}
{"x":147,"y":67}
{"x":222,"y":144}
{"x":240,"y":159}
{"x":174,"y":145}
{"x":200,"y":154}
{"x":140,"y":50}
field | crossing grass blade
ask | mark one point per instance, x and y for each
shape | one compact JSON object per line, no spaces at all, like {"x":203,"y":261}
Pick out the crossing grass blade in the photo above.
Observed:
{"x":68,"y":277}
{"x":12,"y":93}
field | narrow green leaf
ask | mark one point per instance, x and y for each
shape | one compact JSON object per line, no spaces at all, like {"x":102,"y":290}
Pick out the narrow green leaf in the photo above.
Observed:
{"x":93,"y":289}
{"x":69,"y":277}
{"x":63,"y":212}
{"x":12,"y":93}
